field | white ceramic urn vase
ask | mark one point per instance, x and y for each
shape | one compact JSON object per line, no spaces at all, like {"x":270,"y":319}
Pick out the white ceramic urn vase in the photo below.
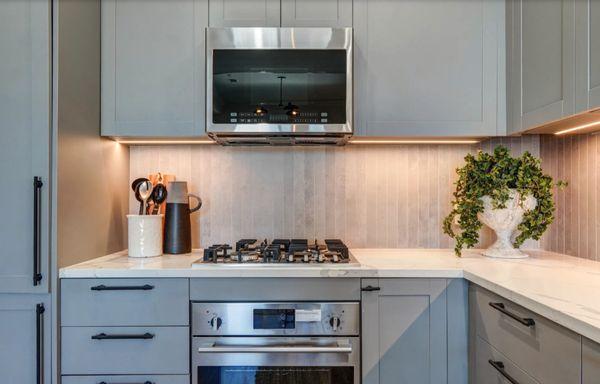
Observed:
{"x":504,"y":222}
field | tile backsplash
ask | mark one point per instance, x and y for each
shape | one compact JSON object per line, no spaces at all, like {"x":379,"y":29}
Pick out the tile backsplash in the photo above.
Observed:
{"x":369,"y":196}
{"x":575,"y":159}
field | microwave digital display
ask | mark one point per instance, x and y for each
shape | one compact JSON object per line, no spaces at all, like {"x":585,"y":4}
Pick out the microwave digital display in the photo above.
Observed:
{"x":279,"y":86}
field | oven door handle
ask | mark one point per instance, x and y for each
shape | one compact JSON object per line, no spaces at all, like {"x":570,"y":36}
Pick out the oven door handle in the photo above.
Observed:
{"x":339,"y":347}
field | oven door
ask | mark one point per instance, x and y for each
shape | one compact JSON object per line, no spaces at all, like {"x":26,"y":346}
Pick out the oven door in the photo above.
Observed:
{"x":280,"y":360}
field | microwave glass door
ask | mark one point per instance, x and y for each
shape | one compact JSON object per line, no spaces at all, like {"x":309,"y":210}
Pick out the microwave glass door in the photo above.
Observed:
{"x":275,"y":375}
{"x":279,"y":86}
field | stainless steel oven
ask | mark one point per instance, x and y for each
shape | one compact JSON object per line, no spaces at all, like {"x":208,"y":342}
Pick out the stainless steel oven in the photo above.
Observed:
{"x":268,"y":343}
{"x":279,"y":85}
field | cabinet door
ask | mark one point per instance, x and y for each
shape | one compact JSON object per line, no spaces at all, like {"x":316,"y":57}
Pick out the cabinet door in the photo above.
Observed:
{"x":591,"y":362}
{"x":153,"y":70}
{"x":587,"y":24}
{"x":541,"y":62}
{"x":244,"y":13}
{"x":316,"y":13}
{"x":25,"y":145}
{"x":25,"y":349}
{"x":404,"y":331}
{"x":429,"y":68}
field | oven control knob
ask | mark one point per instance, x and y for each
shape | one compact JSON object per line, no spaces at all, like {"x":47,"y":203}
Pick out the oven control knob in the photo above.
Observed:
{"x":215,"y":323}
{"x":335,"y":323}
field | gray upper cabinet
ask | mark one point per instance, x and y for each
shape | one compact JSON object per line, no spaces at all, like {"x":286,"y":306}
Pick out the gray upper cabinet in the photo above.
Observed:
{"x":316,"y":13}
{"x":21,"y":346}
{"x":404,"y":337}
{"x":25,"y":145}
{"x":590,"y":362}
{"x":244,"y":13}
{"x":541,"y":62}
{"x":587,"y":24}
{"x":430,"y":68}
{"x":153,"y":68}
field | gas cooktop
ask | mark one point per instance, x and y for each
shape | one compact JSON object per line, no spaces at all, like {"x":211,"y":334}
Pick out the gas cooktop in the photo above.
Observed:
{"x":283,"y":252}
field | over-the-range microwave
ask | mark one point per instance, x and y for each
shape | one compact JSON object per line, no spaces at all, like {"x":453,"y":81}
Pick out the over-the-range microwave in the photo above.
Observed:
{"x":279,"y":85}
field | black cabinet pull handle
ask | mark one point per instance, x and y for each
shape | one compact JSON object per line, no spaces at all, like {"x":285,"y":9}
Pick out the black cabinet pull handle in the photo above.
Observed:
{"x":39,"y":343}
{"x":370,"y":288}
{"x":104,"y":336}
{"x":102,"y":287}
{"x":499,"y":366}
{"x":526,"y":321}
{"x":37,"y":229}
{"x":145,"y":382}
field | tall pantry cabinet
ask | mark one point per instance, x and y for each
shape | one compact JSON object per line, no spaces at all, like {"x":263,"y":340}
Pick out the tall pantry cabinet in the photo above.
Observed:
{"x":54,"y":166}
{"x":25,"y":78}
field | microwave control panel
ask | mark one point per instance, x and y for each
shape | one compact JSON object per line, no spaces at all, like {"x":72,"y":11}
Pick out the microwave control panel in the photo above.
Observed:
{"x":278,"y":118}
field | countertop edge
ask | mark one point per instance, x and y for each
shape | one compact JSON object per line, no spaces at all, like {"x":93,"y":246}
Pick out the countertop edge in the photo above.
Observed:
{"x":560,"y":317}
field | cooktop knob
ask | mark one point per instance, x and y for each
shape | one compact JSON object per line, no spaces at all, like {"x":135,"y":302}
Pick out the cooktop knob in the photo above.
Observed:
{"x":334,"y":322}
{"x":215,"y":323}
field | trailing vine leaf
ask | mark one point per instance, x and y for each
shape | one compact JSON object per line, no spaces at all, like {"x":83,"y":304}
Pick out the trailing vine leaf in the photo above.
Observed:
{"x":495,"y":175}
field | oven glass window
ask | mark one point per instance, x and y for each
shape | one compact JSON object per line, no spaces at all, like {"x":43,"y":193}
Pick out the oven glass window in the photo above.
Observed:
{"x":279,"y":86}
{"x":275,"y":375}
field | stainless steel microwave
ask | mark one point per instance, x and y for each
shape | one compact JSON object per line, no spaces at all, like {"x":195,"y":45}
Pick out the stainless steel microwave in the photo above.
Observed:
{"x":279,"y":85}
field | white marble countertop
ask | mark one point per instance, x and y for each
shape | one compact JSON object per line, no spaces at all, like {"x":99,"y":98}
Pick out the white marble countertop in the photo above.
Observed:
{"x":562,"y":288}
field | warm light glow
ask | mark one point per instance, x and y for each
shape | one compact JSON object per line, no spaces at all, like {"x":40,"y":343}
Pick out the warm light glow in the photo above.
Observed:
{"x":152,"y":142}
{"x":413,"y":141}
{"x":577,"y":128}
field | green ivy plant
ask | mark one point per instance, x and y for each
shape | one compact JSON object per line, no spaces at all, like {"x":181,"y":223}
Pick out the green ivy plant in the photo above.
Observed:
{"x":494,"y":175}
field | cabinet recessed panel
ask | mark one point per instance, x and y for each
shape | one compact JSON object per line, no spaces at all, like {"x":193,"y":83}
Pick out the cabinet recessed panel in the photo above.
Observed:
{"x":25,"y":143}
{"x":19,"y":344}
{"x":154,"y":61}
{"x":307,"y":9}
{"x":18,"y":334}
{"x":418,"y":71}
{"x":316,"y":13}
{"x":595,"y":44}
{"x":594,"y":56}
{"x":244,"y":13}
{"x":542,"y":31}
{"x":404,"y":339}
{"x":153,"y":67}
{"x":427,"y":67}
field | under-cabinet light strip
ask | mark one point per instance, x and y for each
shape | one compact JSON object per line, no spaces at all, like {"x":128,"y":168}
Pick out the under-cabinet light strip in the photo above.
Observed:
{"x":355,"y":141}
{"x":414,"y":141}
{"x":577,"y":128}
{"x":161,"y":142}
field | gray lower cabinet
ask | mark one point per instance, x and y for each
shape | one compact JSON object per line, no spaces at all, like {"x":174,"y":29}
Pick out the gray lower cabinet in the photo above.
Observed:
{"x":544,"y":350}
{"x":405,"y":338}
{"x":127,"y":379}
{"x":111,"y":328}
{"x":124,"y":350}
{"x":316,"y":13}
{"x":25,"y":145}
{"x":25,"y":338}
{"x":106,"y":302}
{"x":244,"y":13}
{"x":429,"y":68}
{"x":153,"y":68}
{"x":590,"y":362}
{"x":541,"y":61}
{"x":492,"y":367}
{"x":587,"y":51}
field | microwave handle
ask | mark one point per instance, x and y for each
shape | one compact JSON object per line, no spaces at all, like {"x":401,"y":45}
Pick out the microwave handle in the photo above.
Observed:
{"x":214,"y":348}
